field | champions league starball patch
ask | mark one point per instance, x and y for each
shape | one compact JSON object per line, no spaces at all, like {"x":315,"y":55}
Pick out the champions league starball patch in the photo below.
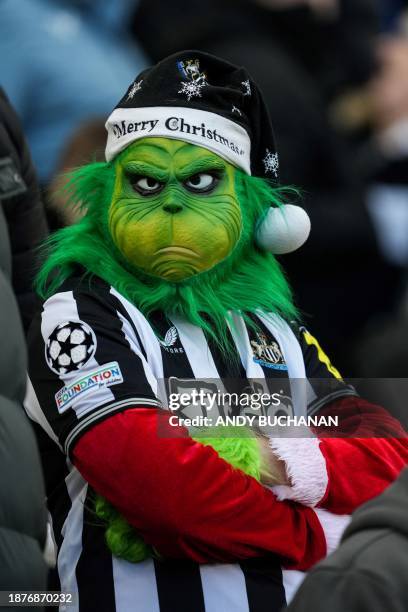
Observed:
{"x":70,"y":346}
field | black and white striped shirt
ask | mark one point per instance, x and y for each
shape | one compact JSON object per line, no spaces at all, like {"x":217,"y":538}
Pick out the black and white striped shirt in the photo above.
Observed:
{"x":93,"y":354}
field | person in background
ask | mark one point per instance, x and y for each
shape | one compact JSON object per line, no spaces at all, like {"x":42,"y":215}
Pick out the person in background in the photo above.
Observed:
{"x":379,"y":109}
{"x":303,"y":55}
{"x":85,"y":144}
{"x":22,"y":495}
{"x":368,"y":572}
{"x":23,"y":209}
{"x":63,"y":62}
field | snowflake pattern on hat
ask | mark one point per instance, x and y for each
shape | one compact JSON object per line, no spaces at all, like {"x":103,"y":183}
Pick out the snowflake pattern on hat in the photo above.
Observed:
{"x":196,"y":80}
{"x":247,"y":87}
{"x":271,"y":162}
{"x":136,"y":86}
{"x":191,"y":89}
{"x":203,"y":85}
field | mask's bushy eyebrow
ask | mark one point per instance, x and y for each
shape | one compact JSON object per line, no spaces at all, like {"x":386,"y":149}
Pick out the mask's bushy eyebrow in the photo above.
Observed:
{"x":202,"y":164}
{"x":145,"y":169}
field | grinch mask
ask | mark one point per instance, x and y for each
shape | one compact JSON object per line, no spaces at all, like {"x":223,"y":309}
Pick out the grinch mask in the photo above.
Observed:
{"x":185,"y":214}
{"x":174,"y":211}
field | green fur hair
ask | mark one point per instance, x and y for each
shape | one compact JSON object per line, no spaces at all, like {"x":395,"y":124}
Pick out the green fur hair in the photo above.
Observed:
{"x":248,"y":280}
{"x":123,"y":540}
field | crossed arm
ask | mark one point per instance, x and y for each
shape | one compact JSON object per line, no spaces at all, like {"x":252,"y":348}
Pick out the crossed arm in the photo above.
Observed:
{"x":189,"y":503}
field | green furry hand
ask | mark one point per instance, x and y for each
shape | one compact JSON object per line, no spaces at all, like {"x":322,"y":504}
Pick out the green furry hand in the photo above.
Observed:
{"x":242,"y":453}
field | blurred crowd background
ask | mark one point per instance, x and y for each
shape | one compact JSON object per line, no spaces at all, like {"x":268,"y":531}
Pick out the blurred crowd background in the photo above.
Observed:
{"x":335,"y":77}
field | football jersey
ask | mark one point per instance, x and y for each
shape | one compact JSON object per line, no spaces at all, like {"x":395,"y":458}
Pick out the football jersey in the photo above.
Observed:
{"x":92,"y":354}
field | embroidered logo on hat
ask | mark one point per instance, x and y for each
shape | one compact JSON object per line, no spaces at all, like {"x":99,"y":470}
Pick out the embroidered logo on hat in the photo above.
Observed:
{"x":196,"y":80}
{"x":224,"y":113}
{"x":201,"y":99}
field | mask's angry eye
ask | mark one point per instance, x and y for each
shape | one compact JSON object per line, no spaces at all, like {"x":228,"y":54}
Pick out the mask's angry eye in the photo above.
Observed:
{"x":145,"y":185}
{"x":203,"y":182}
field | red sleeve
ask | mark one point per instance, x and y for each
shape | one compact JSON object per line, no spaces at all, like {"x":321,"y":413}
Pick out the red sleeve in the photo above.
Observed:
{"x":188,"y":502}
{"x":364,"y":462}
{"x":344,"y":466}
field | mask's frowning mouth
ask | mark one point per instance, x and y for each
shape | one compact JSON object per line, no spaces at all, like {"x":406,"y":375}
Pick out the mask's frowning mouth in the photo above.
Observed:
{"x":177,"y":251}
{"x":175,"y":263}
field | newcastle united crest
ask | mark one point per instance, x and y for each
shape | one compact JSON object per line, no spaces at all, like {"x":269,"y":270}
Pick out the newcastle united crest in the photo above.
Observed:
{"x":267,"y":354}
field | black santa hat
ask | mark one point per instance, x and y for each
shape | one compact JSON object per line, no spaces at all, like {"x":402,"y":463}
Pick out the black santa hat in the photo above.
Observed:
{"x":204,"y":100}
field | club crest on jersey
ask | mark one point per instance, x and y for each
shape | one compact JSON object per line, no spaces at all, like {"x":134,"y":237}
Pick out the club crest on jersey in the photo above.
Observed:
{"x":70,"y":346}
{"x":170,"y":341}
{"x":267,"y":354}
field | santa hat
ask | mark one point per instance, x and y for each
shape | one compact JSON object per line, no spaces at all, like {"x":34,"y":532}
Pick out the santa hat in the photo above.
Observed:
{"x":204,"y":100}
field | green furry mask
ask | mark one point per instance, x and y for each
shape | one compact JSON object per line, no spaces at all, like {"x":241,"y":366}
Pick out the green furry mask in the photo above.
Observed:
{"x":174,"y":211}
{"x":240,"y":276}
{"x":196,"y":259}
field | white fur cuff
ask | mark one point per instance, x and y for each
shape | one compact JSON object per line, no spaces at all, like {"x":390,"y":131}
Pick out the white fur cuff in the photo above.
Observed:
{"x":305,"y":467}
{"x":333,"y":526}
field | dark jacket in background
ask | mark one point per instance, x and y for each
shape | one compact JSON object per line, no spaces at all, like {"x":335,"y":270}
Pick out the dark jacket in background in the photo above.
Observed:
{"x":22,"y":496}
{"x":301,"y":63}
{"x":22,"y":206}
{"x":369,"y":571}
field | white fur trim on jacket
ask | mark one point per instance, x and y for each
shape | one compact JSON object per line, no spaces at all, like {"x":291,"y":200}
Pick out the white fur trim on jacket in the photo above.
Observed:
{"x":333,"y":526}
{"x":305,"y":467}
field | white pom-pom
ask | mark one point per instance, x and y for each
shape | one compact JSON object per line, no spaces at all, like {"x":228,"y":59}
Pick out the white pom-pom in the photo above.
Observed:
{"x":283,"y":230}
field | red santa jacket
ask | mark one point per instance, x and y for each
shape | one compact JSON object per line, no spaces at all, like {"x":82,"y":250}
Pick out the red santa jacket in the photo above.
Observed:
{"x":188,"y":502}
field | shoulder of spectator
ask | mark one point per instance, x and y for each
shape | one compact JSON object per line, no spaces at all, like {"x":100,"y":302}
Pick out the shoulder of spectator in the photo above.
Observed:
{"x":357,"y":575}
